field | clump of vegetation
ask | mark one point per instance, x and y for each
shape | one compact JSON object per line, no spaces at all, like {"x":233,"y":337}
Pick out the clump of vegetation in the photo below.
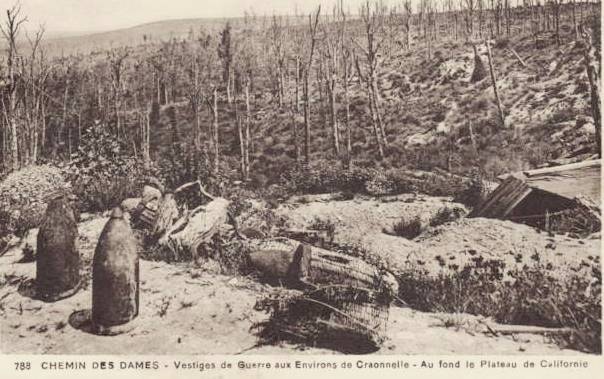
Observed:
{"x":531,"y":295}
{"x":183,"y":162}
{"x":380,"y":184}
{"x":408,"y":228}
{"x":562,"y":115}
{"x":223,"y":254}
{"x":445,"y":215}
{"x":325,"y":225}
{"x":325,"y":177}
{"x":474,"y":193}
{"x":103,"y":174}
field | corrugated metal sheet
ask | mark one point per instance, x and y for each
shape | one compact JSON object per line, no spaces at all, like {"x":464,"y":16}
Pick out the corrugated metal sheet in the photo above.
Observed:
{"x":567,"y":181}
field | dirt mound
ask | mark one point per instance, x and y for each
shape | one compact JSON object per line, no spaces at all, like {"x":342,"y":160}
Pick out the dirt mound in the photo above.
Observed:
{"x":460,"y":241}
{"x":367,"y":222}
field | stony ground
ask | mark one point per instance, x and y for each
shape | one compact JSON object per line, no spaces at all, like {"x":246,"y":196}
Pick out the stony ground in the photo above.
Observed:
{"x":186,"y":310}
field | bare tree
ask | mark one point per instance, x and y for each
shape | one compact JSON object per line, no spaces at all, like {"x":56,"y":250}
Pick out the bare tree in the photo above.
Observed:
{"x":313,"y":27}
{"x":346,"y":54}
{"x":213,"y":107}
{"x":470,"y":7}
{"x":494,"y":81}
{"x":247,"y":64}
{"x":36,"y":97}
{"x":10,"y":30}
{"x":372,"y":21}
{"x":407,"y":15}
{"x":333,"y":36}
{"x":481,"y":11}
{"x":116,"y":58}
{"x":593,"y":68}
{"x":574,"y":18}
{"x":225,"y":54}
{"x":556,"y":5}
{"x":199,"y":72}
{"x":277,"y":35}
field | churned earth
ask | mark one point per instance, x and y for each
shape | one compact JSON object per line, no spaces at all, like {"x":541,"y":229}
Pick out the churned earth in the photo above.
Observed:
{"x":368,"y":221}
{"x":187,"y":310}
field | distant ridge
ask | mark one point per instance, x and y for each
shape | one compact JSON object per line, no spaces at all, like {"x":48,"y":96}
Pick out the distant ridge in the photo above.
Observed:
{"x":152,"y":31}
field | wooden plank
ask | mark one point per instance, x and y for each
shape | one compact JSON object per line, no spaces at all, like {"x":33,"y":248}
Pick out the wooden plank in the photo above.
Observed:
{"x":482,"y":209}
{"x":517,"y":201}
{"x":568,"y":167}
{"x":528,"y":329}
{"x":515,"y":195}
{"x":492,"y":205}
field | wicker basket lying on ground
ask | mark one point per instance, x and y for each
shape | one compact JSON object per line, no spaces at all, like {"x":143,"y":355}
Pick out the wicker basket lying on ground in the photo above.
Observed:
{"x":344,"y":304}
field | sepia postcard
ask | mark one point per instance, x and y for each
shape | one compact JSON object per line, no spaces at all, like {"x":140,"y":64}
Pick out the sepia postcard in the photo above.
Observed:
{"x":311,"y":188}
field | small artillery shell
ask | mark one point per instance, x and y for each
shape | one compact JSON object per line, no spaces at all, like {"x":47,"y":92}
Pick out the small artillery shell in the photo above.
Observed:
{"x":57,"y":257}
{"x":115,"y":276}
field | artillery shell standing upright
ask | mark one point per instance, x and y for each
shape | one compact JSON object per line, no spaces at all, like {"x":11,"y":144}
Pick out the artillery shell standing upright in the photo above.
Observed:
{"x":115,"y":279}
{"x":57,"y":257}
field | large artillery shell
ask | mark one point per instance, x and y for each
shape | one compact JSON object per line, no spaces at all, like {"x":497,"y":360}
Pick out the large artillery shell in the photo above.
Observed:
{"x":115,"y":277}
{"x":57,"y":257}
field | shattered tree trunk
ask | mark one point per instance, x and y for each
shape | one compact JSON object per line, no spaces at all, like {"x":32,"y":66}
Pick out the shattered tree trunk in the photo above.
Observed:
{"x":297,"y":84}
{"x":241,"y":145}
{"x":215,"y":129}
{"x":494,"y":80}
{"x":347,"y":120}
{"x":247,"y":136}
{"x":520,"y":60}
{"x":306,"y":121}
{"x":196,"y":228}
{"x":331,"y":86}
{"x":593,"y":74}
{"x":167,"y":214}
{"x":374,"y":121}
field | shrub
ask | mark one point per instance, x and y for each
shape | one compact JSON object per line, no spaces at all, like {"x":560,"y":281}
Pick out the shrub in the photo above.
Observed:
{"x":408,"y":228}
{"x":182,"y":162}
{"x":502,"y":43}
{"x":325,"y":176}
{"x":325,"y":225}
{"x":379,"y":184}
{"x":220,"y":255}
{"x":582,"y":86}
{"x":439,"y":115}
{"x":445,"y":215}
{"x":561,"y":115}
{"x":474,"y":193}
{"x":530,"y":295}
{"x":101,"y":171}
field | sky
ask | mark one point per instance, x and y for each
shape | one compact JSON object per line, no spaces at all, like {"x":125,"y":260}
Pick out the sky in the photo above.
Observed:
{"x":102,"y":15}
